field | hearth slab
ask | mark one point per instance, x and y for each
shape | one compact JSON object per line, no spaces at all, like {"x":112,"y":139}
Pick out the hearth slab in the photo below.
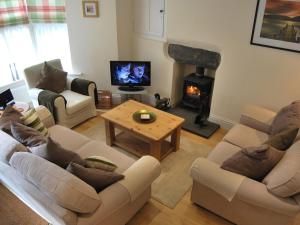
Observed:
{"x":206,"y":131}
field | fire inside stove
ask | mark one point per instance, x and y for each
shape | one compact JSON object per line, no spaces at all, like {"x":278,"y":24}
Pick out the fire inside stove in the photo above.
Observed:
{"x":192,"y":90}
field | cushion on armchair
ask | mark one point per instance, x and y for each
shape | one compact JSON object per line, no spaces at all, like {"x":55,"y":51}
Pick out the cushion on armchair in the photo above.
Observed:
{"x":53,"y":79}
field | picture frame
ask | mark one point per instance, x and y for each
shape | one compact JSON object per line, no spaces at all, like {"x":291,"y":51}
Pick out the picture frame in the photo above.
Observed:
{"x":90,"y":8}
{"x":277,"y":25}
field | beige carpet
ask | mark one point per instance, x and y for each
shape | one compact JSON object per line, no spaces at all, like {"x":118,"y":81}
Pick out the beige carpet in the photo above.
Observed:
{"x":174,"y":180}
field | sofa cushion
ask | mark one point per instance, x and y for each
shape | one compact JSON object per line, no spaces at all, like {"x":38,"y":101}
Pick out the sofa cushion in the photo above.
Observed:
{"x":253,"y":162}
{"x":75,"y":101}
{"x":283,"y":139}
{"x":99,"y":179}
{"x":286,"y":117}
{"x":243,"y":136}
{"x":53,"y":152}
{"x":52,"y":79}
{"x":67,"y":190}
{"x":8,"y":116}
{"x":98,"y":148}
{"x":67,"y":138}
{"x":100,"y":162}
{"x":284,"y":179}
{"x":222,"y":152}
{"x":31,"y":119}
{"x":27,"y":135}
{"x":8,"y":146}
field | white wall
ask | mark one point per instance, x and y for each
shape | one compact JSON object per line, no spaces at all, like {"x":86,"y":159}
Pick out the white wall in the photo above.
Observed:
{"x":93,"y":41}
{"x":247,"y":74}
{"x":124,"y":28}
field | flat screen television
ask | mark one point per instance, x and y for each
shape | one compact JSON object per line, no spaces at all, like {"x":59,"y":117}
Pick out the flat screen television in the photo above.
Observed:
{"x":130,"y":75}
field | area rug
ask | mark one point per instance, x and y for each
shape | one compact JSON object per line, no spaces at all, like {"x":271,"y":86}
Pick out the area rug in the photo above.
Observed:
{"x":174,"y":180}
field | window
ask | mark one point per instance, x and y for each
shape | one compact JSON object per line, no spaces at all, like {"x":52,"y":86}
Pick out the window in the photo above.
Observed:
{"x":31,"y":31}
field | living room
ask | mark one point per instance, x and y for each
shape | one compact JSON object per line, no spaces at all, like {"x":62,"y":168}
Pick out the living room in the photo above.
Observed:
{"x":248,"y":74}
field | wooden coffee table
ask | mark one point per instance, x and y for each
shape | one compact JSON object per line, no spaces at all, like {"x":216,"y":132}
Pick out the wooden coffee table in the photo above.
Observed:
{"x":142,"y":139}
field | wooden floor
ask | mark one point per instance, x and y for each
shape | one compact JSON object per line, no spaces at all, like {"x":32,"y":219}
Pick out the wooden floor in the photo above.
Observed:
{"x":14,"y":212}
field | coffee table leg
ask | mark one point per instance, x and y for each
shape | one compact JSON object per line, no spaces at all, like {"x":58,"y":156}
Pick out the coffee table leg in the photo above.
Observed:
{"x":155,"y":149}
{"x":175,"y":138}
{"x":110,"y":133}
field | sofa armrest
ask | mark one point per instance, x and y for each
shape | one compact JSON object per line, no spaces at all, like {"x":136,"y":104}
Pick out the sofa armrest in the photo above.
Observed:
{"x":258,"y":118}
{"x":140,"y":176}
{"x":256,"y":193}
{"x":70,"y":78}
{"x":211,"y":175}
{"x":45,"y":116}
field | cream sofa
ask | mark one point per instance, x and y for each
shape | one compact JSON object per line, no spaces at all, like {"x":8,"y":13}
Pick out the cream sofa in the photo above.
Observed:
{"x":241,"y":200}
{"x":78,"y":107}
{"x":120,"y":201}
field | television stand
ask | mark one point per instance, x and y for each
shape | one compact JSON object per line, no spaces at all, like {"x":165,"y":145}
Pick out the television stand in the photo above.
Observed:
{"x":131,"y":88}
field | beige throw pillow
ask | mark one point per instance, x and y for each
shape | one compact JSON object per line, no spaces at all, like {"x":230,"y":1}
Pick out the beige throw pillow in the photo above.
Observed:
{"x":64,"y":188}
{"x":100,"y":162}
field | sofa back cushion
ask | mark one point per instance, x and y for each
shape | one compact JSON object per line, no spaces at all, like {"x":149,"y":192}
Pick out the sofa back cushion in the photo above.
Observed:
{"x":64,"y":188}
{"x":8,"y":145}
{"x":284,"y":179}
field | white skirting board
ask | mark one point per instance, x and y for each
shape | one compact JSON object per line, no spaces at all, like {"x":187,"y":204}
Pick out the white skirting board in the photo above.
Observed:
{"x":224,"y":123}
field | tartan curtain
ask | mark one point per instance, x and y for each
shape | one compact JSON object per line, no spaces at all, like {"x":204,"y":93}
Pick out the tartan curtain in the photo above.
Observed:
{"x":46,"y":11}
{"x":14,"y":12}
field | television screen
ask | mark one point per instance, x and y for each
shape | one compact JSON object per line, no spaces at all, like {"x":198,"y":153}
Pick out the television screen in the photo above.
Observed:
{"x":130,"y":73}
{"x":6,"y":97}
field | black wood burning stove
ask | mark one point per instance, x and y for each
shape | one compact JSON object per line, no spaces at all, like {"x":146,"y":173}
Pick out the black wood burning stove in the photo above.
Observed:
{"x":197,"y":92}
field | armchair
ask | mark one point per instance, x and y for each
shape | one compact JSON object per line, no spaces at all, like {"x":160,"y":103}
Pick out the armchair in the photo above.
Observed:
{"x":237,"y":198}
{"x":72,"y":106}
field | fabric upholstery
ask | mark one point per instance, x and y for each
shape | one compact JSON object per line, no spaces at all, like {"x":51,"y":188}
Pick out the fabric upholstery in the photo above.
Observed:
{"x":283,"y":139}
{"x":31,"y":119}
{"x":72,"y":114}
{"x":253,"y":162}
{"x":243,"y":136}
{"x":222,"y":152}
{"x":257,"y":118}
{"x":52,"y":79}
{"x":55,"y":153}
{"x":284,"y":179}
{"x":34,"y":198}
{"x":9,"y":146}
{"x":223,"y":182}
{"x":27,"y":135}
{"x":8,"y":116}
{"x":286,"y":117}
{"x":33,"y":73}
{"x":97,"y":178}
{"x":75,"y":101}
{"x":67,"y":190}
{"x":45,"y":116}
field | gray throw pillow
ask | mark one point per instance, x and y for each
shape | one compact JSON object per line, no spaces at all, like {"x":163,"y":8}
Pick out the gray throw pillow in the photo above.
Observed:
{"x":284,"y":139}
{"x":253,"y":162}
{"x":55,"y":153}
{"x":52,"y":79}
{"x":99,"y":179}
{"x":9,"y":115}
{"x":288,"y":116}
{"x":27,"y":135}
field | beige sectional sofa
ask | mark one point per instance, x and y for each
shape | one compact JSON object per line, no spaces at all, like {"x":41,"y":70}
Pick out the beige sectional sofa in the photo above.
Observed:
{"x":119,"y":202}
{"x":239,"y":199}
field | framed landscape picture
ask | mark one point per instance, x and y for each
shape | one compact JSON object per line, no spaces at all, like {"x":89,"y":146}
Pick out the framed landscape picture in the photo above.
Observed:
{"x":277,"y":24}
